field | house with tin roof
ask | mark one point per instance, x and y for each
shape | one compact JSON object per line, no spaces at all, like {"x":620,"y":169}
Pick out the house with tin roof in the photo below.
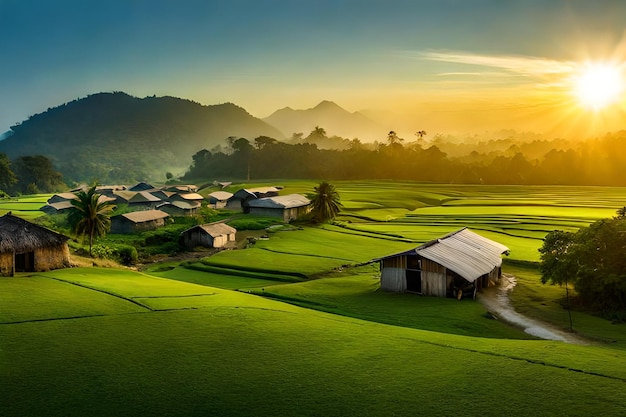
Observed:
{"x":286,"y":207}
{"x":210,"y":235}
{"x":457,"y":264}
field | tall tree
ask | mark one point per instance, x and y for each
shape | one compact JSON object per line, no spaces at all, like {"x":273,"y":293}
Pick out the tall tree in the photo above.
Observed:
{"x":325,"y":201}
{"x":89,"y":215}
{"x":7,"y":176}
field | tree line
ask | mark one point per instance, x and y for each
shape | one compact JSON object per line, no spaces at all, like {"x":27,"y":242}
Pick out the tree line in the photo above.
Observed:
{"x":29,"y":175}
{"x":558,"y":162}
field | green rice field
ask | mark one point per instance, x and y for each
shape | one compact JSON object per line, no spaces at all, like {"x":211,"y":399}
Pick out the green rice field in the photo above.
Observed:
{"x":296,"y":325}
{"x":125,"y":343}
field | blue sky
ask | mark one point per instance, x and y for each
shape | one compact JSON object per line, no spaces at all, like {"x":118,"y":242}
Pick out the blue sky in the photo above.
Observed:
{"x":453,"y":64}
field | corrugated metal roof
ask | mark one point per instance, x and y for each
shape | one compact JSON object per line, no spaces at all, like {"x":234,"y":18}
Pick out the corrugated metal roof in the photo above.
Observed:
{"x":145,"y":215}
{"x":464,"y":252}
{"x":281,"y":201}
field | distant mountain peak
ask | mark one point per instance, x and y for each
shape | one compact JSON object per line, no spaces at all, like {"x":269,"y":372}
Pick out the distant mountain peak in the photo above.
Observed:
{"x":328,"y":115}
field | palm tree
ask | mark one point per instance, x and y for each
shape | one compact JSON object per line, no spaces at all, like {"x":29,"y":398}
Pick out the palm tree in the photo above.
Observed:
{"x":325,"y":202}
{"x":621,"y":213}
{"x":89,"y":216}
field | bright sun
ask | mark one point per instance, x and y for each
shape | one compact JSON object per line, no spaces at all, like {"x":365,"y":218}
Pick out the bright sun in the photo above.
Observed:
{"x":599,"y":85}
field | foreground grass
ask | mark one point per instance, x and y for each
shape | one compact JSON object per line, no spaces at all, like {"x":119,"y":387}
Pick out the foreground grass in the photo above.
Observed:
{"x":194,"y":350}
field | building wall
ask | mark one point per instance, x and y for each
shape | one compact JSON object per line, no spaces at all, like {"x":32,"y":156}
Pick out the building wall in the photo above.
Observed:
{"x":6,"y":264}
{"x":52,"y":258}
{"x":45,"y":259}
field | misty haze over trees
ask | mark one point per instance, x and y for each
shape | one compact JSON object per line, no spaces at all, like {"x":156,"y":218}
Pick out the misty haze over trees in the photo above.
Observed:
{"x":505,"y":161}
{"x":117,"y":138}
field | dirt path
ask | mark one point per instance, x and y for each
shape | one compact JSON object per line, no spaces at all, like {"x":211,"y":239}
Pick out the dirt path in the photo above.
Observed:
{"x":496,"y":300}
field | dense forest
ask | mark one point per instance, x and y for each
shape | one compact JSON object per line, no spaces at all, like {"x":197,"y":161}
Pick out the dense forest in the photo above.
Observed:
{"x":504,"y":161}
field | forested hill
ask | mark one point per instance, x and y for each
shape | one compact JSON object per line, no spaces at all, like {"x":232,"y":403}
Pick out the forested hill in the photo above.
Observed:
{"x":116,"y":137}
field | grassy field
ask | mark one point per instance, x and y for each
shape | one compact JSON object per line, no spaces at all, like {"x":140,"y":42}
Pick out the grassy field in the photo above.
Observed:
{"x":26,"y":207}
{"x":308,"y":332}
{"x":126,"y":343}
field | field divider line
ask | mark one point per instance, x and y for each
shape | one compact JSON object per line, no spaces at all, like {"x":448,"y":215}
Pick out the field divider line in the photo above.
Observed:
{"x":112,"y":294}
{"x":522,"y":359}
{"x":306,"y":254}
{"x":87,"y":316}
{"x":172,"y":296}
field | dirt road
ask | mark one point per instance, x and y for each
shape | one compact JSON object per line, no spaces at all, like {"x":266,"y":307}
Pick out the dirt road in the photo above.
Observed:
{"x":496,"y":301}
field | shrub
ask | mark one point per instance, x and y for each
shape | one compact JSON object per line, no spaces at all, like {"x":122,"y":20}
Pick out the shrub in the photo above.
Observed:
{"x":102,"y":251}
{"x":126,"y":254}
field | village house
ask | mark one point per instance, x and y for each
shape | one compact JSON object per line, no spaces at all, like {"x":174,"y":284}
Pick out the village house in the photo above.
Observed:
{"x":138,"y":221}
{"x":27,"y":247}
{"x":460,"y":263}
{"x":286,"y":207}
{"x":219,"y":199}
{"x":211,"y":235}
{"x":180,"y":208}
{"x":241,"y":198}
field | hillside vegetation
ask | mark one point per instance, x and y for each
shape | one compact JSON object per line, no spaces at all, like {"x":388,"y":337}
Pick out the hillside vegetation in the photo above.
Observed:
{"x":115,"y":137}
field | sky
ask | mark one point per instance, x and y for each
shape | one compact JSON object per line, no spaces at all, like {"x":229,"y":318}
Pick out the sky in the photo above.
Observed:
{"x":443,"y":66}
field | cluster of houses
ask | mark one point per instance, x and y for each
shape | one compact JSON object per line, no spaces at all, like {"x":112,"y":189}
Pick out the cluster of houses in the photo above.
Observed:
{"x":152,"y":206}
{"x":456,"y":265}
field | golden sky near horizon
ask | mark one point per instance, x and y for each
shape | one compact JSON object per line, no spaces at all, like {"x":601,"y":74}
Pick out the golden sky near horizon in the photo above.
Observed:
{"x":555,"y":67}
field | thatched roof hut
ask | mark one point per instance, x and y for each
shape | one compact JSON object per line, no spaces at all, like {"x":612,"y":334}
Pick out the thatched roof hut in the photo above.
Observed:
{"x":27,"y":247}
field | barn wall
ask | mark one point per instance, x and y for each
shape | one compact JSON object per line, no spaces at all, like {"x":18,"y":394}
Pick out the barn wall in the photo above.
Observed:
{"x":434,"y":280}
{"x":393,"y":279}
{"x":52,"y":258}
{"x":197,"y":237}
{"x":7,"y":264}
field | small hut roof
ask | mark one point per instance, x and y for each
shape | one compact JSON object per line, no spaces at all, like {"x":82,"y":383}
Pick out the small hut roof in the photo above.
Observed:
{"x":124,"y":195}
{"x":144,"y":215}
{"x":64,"y":196}
{"x":19,"y":235}
{"x":221,"y":195}
{"x":190,"y":196}
{"x":144,"y":197}
{"x":187,"y":188}
{"x":141,"y":186}
{"x":183,"y":205}
{"x":214,"y":229}
{"x":282,"y":201}
{"x":61,"y":205}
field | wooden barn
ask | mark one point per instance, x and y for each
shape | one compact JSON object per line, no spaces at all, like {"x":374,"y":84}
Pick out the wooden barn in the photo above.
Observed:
{"x":212,"y":235}
{"x":27,"y":247}
{"x":460,"y":263}
{"x":138,"y":221}
{"x":287,"y":207}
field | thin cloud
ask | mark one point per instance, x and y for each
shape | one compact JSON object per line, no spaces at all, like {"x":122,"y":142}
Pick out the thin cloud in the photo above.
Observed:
{"x":521,"y":65}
